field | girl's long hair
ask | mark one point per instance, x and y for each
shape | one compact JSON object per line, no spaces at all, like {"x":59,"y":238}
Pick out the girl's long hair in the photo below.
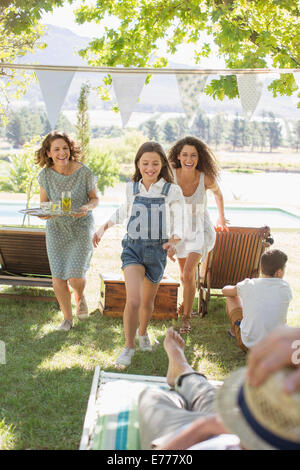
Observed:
{"x":166,"y":171}
{"x":207,"y":162}
{"x":41,"y":155}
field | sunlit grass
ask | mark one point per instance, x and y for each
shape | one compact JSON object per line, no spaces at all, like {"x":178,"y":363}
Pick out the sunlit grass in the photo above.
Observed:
{"x":46,"y":381}
{"x":7,"y":436}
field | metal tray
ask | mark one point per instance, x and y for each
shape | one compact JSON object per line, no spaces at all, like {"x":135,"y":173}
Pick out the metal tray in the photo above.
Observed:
{"x":38,"y":212}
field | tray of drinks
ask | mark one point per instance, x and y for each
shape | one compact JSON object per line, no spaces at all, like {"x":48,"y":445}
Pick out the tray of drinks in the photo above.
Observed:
{"x":39,"y":212}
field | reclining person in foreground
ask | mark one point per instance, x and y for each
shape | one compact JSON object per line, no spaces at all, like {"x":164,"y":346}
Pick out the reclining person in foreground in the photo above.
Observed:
{"x":193,"y":415}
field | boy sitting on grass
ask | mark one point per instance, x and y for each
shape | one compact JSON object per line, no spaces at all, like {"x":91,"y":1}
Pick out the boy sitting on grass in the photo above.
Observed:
{"x":257,"y":306}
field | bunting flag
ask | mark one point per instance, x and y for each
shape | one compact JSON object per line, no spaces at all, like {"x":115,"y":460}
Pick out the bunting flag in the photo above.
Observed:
{"x":190,"y":88}
{"x":127,"y":88}
{"x":54,"y":87}
{"x":297,"y":80}
{"x":250,"y":88}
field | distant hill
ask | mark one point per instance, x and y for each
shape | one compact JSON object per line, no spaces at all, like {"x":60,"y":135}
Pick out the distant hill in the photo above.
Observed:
{"x":161,"y":95}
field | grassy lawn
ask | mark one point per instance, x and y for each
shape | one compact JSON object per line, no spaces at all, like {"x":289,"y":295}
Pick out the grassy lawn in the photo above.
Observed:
{"x":46,"y":380}
{"x":279,"y":160}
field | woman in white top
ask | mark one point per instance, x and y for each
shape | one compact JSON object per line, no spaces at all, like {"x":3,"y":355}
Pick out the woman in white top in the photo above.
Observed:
{"x":195,"y":170}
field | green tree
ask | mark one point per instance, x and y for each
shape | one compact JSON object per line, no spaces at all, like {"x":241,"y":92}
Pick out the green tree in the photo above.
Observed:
{"x":254,"y":135}
{"x":105,"y":167}
{"x":218,"y":129}
{"x":235,"y":133}
{"x":15,"y":131}
{"x":20,"y":16}
{"x":32,"y":119}
{"x":244,"y":133}
{"x":20,"y":33}
{"x":274,"y":133}
{"x":182,"y":128}
{"x":64,"y":125}
{"x":247,"y":34}
{"x":200,"y":125}
{"x":14,"y":43}
{"x":170,"y":133}
{"x":21,"y":173}
{"x":151,"y":129}
{"x":83,"y":120}
{"x":15,"y":173}
{"x":208,"y":131}
{"x":26,"y":123}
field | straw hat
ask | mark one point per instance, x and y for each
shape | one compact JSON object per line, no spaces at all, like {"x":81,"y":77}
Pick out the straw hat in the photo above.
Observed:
{"x":264,"y":417}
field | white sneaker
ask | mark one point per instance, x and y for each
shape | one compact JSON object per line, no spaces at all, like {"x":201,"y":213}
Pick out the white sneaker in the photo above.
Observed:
{"x":125,"y":357}
{"x":145,"y":344}
{"x":65,"y":325}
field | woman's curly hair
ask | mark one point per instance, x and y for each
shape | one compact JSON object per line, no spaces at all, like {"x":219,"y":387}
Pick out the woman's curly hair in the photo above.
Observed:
{"x":207,"y":162}
{"x":41,"y":155}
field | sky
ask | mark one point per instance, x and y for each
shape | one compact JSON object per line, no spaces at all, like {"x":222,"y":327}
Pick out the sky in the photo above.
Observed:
{"x":64,"y":17}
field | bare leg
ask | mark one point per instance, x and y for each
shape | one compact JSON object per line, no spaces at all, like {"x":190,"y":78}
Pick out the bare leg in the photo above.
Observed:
{"x":78,"y":285}
{"x":149,"y":292}
{"x":134,"y":276}
{"x":174,"y":347}
{"x":163,"y":415}
{"x":231,"y":304}
{"x":63,"y":295}
{"x":188,"y":268}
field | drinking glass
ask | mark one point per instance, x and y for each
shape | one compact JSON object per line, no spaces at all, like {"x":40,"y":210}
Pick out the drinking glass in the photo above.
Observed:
{"x":56,"y":206}
{"x":66,"y":201}
{"x":46,"y":206}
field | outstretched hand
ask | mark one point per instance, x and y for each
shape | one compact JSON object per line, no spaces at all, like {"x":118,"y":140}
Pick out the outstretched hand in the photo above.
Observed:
{"x":97,"y":236}
{"x":221,"y":225}
{"x":171,"y":250}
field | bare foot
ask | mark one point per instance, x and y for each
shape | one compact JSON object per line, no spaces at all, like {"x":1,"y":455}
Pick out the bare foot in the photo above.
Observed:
{"x":174,"y":347}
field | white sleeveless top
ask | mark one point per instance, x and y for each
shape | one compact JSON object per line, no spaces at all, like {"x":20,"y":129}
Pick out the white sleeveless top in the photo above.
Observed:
{"x":199,"y":232}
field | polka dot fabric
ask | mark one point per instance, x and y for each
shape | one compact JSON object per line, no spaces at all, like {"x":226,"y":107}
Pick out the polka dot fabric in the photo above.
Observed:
{"x":69,"y":239}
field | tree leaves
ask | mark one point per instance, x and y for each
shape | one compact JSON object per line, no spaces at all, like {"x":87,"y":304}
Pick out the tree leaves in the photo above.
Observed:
{"x":225,"y":86}
{"x":249,"y":34}
{"x":19,"y":33}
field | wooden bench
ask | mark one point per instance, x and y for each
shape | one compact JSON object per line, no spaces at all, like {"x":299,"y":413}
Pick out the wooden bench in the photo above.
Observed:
{"x":24,"y":261}
{"x":113,"y":297}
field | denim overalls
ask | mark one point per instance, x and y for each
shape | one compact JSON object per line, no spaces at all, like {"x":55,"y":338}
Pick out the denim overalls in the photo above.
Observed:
{"x":146,"y":233}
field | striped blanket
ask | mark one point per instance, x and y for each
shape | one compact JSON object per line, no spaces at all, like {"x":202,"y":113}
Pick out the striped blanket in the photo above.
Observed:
{"x":117,"y":426}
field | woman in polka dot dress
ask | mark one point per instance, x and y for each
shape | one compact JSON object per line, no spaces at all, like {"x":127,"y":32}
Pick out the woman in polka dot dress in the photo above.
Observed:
{"x":68,"y":239}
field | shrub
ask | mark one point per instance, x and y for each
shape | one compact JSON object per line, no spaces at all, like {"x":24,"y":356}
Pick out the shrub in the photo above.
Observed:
{"x":105,"y":167}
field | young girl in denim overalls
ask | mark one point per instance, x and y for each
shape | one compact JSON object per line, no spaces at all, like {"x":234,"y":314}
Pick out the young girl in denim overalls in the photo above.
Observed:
{"x":155,"y":208}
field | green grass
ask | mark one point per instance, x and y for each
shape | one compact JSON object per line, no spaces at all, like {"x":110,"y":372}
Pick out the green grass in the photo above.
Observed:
{"x":46,"y":381}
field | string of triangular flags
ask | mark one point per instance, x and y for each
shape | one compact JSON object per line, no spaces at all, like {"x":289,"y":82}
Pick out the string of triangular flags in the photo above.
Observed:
{"x":128,"y":87}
